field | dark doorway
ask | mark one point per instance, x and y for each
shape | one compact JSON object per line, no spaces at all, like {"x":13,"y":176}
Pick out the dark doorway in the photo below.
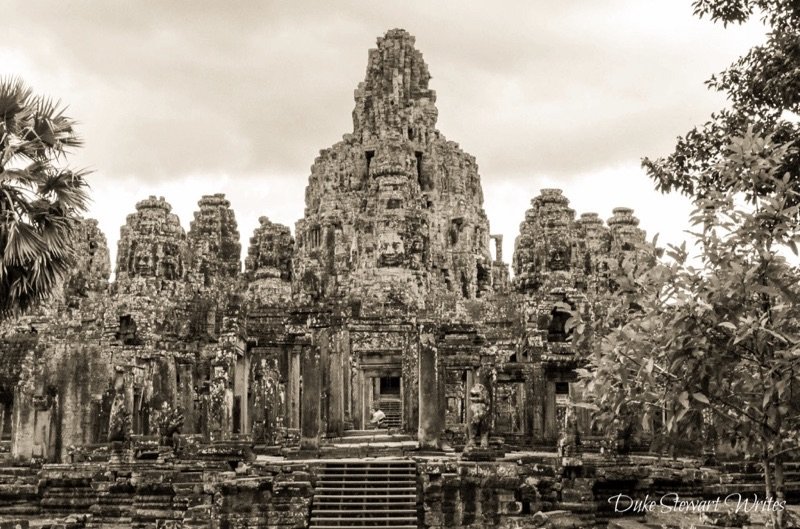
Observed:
{"x":390,"y":400}
{"x":390,"y":386}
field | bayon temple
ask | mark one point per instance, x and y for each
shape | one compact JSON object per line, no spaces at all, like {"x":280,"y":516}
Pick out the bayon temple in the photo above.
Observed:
{"x":188,"y":392}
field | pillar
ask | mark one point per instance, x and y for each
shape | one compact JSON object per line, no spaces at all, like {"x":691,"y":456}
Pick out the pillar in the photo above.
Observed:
{"x":431,"y":411}
{"x":538,"y":396}
{"x":550,"y":426}
{"x":310,"y":422}
{"x":292,"y":418}
{"x":336,"y":387}
{"x":347,"y":381}
{"x":186,"y":396}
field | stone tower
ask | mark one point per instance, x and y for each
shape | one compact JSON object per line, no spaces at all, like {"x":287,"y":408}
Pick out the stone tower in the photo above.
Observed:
{"x":214,"y":240}
{"x":393,"y":211}
{"x":152,"y":245}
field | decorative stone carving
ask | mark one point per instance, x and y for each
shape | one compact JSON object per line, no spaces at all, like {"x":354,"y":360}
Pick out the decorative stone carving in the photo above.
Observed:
{"x":152,"y":243}
{"x":214,"y":239}
{"x":169,"y":422}
{"x":569,"y":442}
{"x":394,"y":206}
{"x":479,"y":426}
{"x":119,"y":425}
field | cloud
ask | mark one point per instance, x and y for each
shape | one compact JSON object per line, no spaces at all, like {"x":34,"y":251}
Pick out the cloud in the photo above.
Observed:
{"x":239,"y":98}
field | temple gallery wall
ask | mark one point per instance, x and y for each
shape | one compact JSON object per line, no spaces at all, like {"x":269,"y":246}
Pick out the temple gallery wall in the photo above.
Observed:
{"x":190,"y":393}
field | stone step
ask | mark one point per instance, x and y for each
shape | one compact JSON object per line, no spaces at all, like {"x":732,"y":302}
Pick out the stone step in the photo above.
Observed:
{"x":360,"y":483}
{"x":370,"y":464}
{"x":345,"y":510}
{"x":360,"y":521}
{"x":362,"y":494}
{"x":385,"y":495}
{"x":377,"y":470}
{"x":375,"y":436}
{"x":398,"y":471}
{"x":315,"y":526}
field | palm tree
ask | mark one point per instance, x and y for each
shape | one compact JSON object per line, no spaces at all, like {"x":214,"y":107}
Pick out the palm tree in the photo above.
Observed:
{"x":40,"y":201}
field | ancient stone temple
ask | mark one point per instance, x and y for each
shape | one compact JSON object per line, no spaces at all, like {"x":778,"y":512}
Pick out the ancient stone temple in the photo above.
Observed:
{"x":188,"y":392}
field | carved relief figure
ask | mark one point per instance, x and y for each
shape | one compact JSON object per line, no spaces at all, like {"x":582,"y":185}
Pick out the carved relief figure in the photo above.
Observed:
{"x":119,"y":422}
{"x":479,"y":425}
{"x":569,"y":442}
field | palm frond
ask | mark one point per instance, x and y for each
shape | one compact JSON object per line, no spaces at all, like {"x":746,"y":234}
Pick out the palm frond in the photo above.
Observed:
{"x":39,"y":198}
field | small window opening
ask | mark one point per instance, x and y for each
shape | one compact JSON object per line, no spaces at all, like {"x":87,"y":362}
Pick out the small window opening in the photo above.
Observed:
{"x":425,"y":183}
{"x":560,"y":328}
{"x":127,"y":330}
{"x":316,"y":237}
{"x":237,"y":414}
{"x":369,"y":155}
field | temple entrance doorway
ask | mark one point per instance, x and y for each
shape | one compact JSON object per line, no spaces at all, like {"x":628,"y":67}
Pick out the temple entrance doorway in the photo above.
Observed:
{"x":390,"y":400}
{"x":383,"y":387}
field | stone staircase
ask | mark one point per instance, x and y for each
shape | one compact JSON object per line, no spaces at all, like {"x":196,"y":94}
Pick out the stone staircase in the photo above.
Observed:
{"x":372,"y":493}
{"x":393,"y":409}
{"x":19,"y":490}
{"x":368,"y":443}
{"x":747,"y":478}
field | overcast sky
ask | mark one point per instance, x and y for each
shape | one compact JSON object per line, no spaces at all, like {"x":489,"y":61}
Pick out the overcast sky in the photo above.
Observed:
{"x":180,"y":99}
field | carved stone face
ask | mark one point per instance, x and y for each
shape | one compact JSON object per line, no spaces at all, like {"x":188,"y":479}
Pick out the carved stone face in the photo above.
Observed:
{"x":391,"y":250}
{"x":142,"y":261}
{"x":558,"y":255}
{"x":478,"y":394}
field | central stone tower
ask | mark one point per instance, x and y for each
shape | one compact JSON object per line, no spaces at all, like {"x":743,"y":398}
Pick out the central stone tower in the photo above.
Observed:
{"x":394,"y":212}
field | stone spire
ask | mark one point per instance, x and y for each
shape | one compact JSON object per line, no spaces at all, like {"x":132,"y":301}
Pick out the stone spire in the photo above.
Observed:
{"x":152,"y":243}
{"x":270,"y":251}
{"x":394,"y":211}
{"x":625,"y":229}
{"x":395,"y":96}
{"x":545,"y":240}
{"x":214,"y":239}
{"x":268,"y":266}
{"x":93,"y":266}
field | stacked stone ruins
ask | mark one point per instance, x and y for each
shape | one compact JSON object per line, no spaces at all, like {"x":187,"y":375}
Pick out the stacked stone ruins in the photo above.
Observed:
{"x":189,"y":393}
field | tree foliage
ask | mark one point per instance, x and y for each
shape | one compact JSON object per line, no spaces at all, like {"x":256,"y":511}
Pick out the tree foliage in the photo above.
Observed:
{"x":714,"y":352}
{"x":763,"y":87}
{"x":39,"y":198}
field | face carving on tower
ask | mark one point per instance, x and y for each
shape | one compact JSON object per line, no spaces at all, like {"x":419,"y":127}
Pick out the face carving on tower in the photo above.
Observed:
{"x":391,"y":250}
{"x":558,"y":256}
{"x":143,"y":264}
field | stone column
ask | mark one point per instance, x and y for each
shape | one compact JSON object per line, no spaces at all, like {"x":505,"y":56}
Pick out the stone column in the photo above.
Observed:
{"x":347,"y":381}
{"x":336,"y":386}
{"x":410,"y":386}
{"x":186,"y":396}
{"x":431,"y":412}
{"x":550,"y":426}
{"x":538,"y":393}
{"x":292,"y":419}
{"x":310,"y":423}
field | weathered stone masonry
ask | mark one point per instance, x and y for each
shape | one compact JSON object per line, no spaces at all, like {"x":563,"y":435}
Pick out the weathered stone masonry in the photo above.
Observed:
{"x":169,"y":396}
